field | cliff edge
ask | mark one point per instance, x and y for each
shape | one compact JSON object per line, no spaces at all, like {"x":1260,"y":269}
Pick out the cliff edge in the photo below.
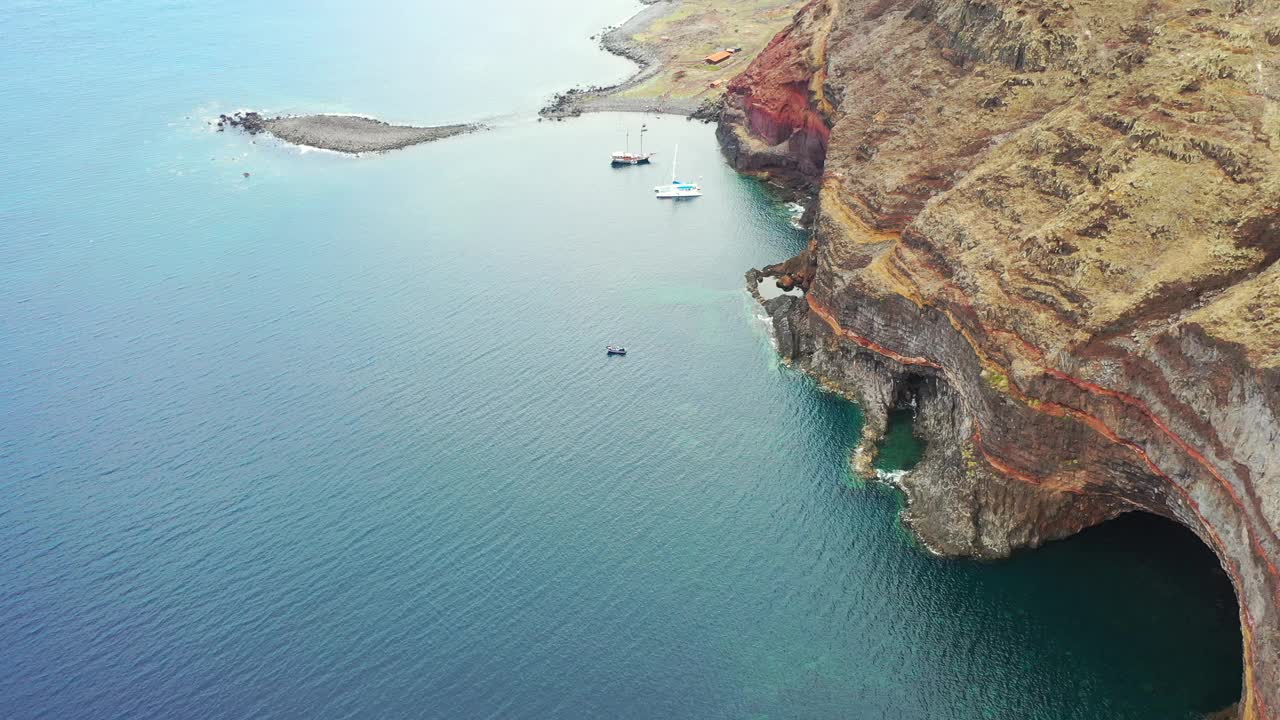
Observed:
{"x":1052,"y":227}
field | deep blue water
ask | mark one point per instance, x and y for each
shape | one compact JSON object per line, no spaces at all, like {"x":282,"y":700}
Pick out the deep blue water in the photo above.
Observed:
{"x":340,"y":440}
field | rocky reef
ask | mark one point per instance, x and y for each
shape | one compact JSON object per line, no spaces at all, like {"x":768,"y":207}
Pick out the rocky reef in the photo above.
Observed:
{"x":1052,"y":228}
{"x":340,"y":133}
{"x":248,"y":121}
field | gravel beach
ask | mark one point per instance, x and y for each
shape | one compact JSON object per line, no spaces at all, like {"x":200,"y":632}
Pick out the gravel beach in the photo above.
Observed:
{"x":669,"y":40}
{"x":618,"y":41}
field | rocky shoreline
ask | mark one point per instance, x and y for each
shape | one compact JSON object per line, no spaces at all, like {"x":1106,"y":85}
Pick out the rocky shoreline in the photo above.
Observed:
{"x":1060,"y":247}
{"x":351,"y":134}
{"x":605,"y":98}
{"x":666,"y":40}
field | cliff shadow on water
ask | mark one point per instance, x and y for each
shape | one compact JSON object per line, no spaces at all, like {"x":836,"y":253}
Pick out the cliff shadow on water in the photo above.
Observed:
{"x":1141,"y":560}
{"x":1141,"y":588}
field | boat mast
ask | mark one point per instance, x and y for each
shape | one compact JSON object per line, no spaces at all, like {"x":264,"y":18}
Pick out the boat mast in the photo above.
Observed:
{"x":628,"y":142}
{"x":643,"y":130}
{"x":674,"y":155}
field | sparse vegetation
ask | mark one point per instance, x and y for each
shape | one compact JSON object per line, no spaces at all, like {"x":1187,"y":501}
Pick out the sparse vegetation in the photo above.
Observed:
{"x":674,"y":45}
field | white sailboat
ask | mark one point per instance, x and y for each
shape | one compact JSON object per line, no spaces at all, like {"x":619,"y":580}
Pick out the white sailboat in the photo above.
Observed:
{"x":677,"y":189}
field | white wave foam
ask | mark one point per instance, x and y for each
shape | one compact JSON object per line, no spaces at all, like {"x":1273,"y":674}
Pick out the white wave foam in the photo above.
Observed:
{"x":891,"y":477}
{"x":758,"y":313}
{"x":796,"y":211}
{"x":308,"y":149}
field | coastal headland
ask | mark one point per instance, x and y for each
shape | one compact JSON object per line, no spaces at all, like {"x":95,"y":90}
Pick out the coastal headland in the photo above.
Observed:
{"x":670,"y":40}
{"x":341,"y":133}
{"x":1050,"y":230}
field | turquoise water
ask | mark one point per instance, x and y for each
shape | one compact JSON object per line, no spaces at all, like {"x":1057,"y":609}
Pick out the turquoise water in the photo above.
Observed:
{"x":899,"y":449}
{"x":340,"y":439}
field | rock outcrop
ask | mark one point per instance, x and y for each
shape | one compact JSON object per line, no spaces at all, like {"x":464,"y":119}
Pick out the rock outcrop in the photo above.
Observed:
{"x":248,"y":121}
{"x":341,"y":133}
{"x":776,"y":118}
{"x":1053,"y":226}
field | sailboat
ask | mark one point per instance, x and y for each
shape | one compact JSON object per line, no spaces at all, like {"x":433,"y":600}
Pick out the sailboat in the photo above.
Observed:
{"x":626,"y":157}
{"x":677,"y":189}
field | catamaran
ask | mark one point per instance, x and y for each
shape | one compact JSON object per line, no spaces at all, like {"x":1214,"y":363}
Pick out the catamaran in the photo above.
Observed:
{"x":626,"y":157}
{"x":677,"y":189}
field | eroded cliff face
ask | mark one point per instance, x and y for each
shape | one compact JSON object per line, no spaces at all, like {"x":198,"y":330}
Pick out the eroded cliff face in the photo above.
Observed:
{"x":1054,"y":227}
{"x":776,"y":117}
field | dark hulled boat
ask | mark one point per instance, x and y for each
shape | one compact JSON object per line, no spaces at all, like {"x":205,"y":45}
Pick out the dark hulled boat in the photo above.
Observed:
{"x":626,"y":157}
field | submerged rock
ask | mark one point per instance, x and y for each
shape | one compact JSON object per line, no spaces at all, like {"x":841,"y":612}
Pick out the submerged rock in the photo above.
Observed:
{"x":250,"y":122}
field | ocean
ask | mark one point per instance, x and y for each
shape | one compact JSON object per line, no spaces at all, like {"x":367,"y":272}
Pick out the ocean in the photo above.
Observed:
{"x":339,"y":439}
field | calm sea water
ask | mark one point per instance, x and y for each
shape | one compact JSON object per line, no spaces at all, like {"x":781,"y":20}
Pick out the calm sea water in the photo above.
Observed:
{"x":339,"y":440}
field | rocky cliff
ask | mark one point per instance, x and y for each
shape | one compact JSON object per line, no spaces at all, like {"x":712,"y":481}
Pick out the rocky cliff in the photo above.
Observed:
{"x":1053,"y":227}
{"x":776,"y":117}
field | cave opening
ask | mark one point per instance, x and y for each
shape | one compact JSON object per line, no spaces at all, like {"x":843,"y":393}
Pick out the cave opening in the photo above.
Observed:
{"x":901,"y":449}
{"x":909,"y":389}
{"x":1153,"y":593}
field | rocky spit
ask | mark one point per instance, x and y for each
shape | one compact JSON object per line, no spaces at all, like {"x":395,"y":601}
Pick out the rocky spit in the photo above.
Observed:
{"x":615,"y":40}
{"x":341,"y":133}
{"x":1053,"y":230}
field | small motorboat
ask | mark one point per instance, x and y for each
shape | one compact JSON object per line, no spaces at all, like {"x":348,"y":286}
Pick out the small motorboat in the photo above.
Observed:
{"x":614,"y":350}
